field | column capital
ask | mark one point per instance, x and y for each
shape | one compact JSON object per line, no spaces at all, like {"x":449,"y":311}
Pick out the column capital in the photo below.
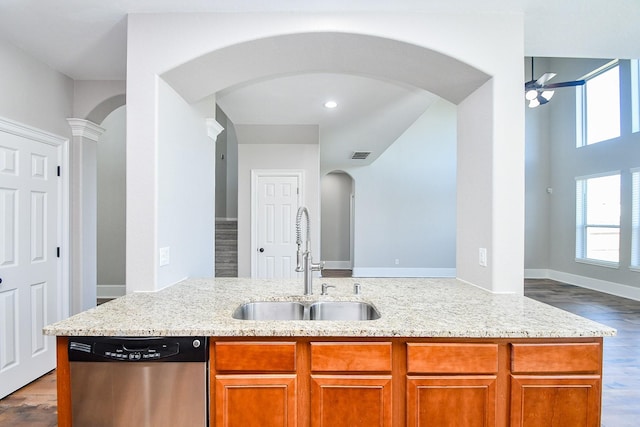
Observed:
{"x":213,"y":128}
{"x":85,"y":129}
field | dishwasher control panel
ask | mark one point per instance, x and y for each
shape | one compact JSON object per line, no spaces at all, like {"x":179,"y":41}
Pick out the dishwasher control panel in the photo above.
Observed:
{"x":133,"y":353}
{"x":137,"y":349}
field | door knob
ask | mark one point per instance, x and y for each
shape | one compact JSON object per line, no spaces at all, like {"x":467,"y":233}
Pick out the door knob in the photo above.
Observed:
{"x":261,"y":250}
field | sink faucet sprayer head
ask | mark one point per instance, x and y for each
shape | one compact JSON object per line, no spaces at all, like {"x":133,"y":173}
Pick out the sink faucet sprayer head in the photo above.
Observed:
{"x":305,"y":263}
{"x":301,"y":210}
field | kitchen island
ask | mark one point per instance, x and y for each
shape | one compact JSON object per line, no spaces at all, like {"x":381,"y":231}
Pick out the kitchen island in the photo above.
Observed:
{"x":443,"y":352}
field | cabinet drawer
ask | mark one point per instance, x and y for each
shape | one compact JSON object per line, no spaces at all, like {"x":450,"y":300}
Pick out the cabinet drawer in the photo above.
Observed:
{"x":362,"y":357}
{"x":452,"y":358}
{"x":579,"y":357}
{"x":255,"y":356}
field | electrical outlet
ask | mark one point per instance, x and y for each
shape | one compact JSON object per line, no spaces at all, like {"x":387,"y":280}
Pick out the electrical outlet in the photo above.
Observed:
{"x":165,"y":256}
{"x":397,"y":261}
{"x":482,"y":257}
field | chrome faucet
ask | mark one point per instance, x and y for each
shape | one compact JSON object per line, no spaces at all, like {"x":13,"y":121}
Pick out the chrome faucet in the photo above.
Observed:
{"x":305,"y":261}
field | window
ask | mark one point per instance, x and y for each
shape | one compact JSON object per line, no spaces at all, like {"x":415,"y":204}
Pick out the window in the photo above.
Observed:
{"x":635,"y":95}
{"x":598,"y":219}
{"x":598,"y":104}
{"x":635,"y":219}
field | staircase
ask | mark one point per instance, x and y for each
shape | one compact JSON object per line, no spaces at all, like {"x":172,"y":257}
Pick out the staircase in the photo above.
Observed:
{"x":226,"y":262}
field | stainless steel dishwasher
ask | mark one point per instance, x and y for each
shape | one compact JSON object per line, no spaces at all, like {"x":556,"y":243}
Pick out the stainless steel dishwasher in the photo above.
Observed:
{"x":143,"y":381}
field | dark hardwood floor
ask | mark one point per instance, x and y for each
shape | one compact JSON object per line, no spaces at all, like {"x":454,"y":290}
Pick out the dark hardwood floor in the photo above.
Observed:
{"x":336,"y":273}
{"x":35,"y":406}
{"x":621,"y":377}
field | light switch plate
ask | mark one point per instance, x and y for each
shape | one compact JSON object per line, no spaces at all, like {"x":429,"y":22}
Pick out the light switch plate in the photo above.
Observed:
{"x":482,"y":257}
{"x":165,"y":256}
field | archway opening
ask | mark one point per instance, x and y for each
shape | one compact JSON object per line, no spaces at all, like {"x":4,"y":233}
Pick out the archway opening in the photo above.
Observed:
{"x":337,"y":223}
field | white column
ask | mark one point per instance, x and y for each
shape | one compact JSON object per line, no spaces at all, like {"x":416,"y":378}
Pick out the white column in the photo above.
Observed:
{"x":83,"y":214}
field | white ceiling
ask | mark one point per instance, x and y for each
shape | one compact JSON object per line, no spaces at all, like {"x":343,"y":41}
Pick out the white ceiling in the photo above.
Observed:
{"x":86,"y":40}
{"x":370,"y":116}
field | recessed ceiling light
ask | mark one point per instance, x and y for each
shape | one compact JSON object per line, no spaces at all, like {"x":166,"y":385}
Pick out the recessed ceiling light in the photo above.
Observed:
{"x":330,"y":104}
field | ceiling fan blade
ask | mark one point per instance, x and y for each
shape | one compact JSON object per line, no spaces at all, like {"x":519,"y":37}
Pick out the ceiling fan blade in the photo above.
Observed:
{"x":565,"y":84}
{"x":545,"y":78}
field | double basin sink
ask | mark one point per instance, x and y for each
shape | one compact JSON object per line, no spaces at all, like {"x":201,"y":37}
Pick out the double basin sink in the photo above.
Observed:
{"x":296,"y":310}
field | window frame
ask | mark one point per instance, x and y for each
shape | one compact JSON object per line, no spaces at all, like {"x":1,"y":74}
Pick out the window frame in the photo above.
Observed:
{"x":634,"y":66}
{"x":582,"y":136}
{"x":582,"y":226}
{"x":635,"y":219}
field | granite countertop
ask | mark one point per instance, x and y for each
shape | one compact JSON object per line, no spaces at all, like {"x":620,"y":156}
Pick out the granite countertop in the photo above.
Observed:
{"x":408,"y":308}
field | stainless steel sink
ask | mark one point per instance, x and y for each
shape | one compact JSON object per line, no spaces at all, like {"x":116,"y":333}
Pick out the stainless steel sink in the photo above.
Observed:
{"x":270,"y":310}
{"x":342,"y":310}
{"x":293,"y":310}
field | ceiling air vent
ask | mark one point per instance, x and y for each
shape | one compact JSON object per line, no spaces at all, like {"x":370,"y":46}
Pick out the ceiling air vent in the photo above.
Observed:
{"x":360,"y":155}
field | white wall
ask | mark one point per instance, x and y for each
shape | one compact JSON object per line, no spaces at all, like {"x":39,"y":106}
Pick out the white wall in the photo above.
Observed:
{"x":232,"y":171}
{"x":186,"y":158}
{"x":336,"y":191}
{"x":537,"y":181}
{"x":94,"y":100}
{"x":33,"y":93}
{"x":252,"y":154}
{"x":405,"y":202}
{"x":159,"y":43}
{"x":111,"y":205}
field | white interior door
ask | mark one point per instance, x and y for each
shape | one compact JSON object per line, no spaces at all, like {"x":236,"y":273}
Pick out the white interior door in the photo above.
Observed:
{"x":29,"y":221}
{"x":277,"y":198}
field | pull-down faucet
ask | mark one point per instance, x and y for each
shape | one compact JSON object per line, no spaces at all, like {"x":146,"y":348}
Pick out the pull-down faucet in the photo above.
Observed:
{"x":305,"y":261}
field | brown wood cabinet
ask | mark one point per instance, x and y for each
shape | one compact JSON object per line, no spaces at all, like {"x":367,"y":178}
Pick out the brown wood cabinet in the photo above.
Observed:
{"x":254,"y":384}
{"x":556,"y":385}
{"x":255,"y":400}
{"x":435,"y":382}
{"x":452,"y":384}
{"x":351,"y":384}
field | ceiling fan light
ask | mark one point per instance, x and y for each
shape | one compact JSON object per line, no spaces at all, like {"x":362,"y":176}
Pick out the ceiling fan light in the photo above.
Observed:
{"x":531,"y":94}
{"x":548,"y":94}
{"x":542,"y":100}
{"x":533,"y":103}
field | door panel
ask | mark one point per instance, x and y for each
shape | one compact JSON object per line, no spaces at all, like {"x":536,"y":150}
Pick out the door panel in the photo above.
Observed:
{"x":8,"y":226}
{"x":277,"y":203}
{"x":29,"y":224}
{"x":257,"y":400}
{"x":351,"y":401}
{"x":451,"y":401}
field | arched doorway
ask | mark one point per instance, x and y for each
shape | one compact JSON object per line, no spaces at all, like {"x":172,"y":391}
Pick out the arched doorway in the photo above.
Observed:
{"x":111,"y":205}
{"x":337,"y":226}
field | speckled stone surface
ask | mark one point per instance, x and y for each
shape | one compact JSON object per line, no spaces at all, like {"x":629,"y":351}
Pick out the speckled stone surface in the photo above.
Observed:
{"x":408,"y":308}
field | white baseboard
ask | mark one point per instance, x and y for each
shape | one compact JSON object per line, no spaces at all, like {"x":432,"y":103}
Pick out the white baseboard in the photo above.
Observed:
{"x":337,"y":265}
{"x":111,"y":291}
{"x":612,"y":288}
{"x":226,"y":219}
{"x":404,"y":272}
{"x":617,"y":289}
{"x":536,"y":273}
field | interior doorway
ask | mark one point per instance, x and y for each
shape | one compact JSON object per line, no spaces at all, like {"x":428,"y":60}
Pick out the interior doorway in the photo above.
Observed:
{"x":337,"y":221}
{"x":276,"y":197}
{"x":111,"y":206}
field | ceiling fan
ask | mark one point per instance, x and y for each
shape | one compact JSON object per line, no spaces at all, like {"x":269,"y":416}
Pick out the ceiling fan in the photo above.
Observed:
{"x":538,"y":92}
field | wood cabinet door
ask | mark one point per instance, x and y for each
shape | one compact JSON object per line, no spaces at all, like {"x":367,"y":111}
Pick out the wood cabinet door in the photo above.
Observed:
{"x":351,"y":401}
{"x":255,"y":401}
{"x":555,"y":401}
{"x":451,"y":401}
